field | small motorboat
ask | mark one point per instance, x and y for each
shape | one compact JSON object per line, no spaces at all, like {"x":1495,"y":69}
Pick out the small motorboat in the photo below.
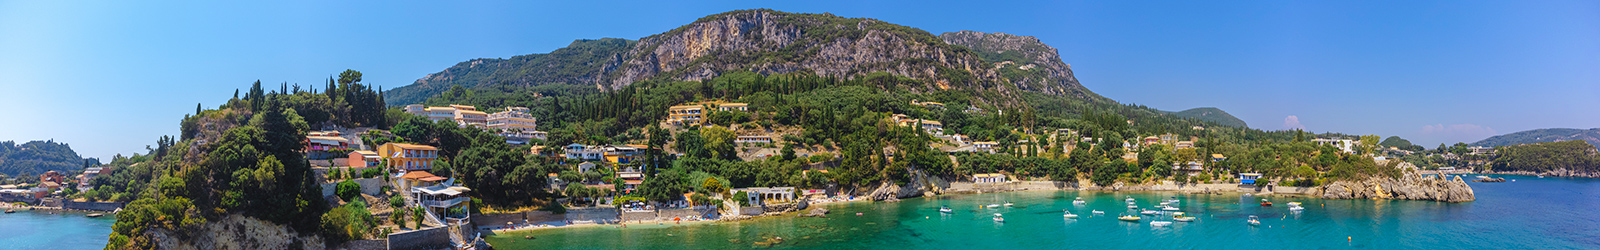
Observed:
{"x":1266,"y":203}
{"x":1169,"y":208}
{"x":1129,"y":199}
{"x":1296,"y":209}
{"x":1008,"y":203}
{"x":1068,"y":214}
{"x":1098,"y":212}
{"x":998,"y":218}
{"x":1128,"y":218}
{"x":1079,"y":201}
{"x":992,"y":206}
{"x":946,"y":209}
{"x":1253,"y":221}
{"x":95,"y":215}
{"x":1183,"y":218}
{"x":1132,"y":206}
{"x":1160,"y":223}
{"x":1149,"y":212}
{"x":1294,"y":204}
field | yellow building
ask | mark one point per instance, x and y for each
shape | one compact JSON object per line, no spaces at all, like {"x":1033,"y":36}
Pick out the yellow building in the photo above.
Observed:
{"x":686,"y":115}
{"x":408,"y":157}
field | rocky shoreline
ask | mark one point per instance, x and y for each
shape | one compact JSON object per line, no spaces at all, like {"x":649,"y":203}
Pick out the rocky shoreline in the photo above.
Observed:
{"x":1410,"y":186}
{"x":1552,"y":173}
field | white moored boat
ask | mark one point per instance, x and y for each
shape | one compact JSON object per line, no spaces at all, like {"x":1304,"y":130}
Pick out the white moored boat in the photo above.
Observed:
{"x":1068,"y":214}
{"x":1253,"y":221}
{"x":1098,"y":212}
{"x":997,"y":218}
{"x":1169,"y":208}
{"x":946,"y":209}
{"x":1079,"y":201}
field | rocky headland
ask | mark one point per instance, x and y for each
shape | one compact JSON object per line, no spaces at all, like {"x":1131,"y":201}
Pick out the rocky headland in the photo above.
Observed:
{"x":1410,"y":186}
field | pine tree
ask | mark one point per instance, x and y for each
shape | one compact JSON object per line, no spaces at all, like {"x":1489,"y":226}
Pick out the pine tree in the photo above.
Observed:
{"x":196,"y":109}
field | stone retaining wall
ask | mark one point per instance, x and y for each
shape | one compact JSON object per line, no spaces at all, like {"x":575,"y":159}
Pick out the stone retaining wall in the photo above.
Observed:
{"x":424,"y":239}
{"x":94,"y":206}
{"x":751,"y":211}
{"x":638,"y":216}
{"x":369,"y":186}
{"x":596,"y":215}
{"x":668,"y":214}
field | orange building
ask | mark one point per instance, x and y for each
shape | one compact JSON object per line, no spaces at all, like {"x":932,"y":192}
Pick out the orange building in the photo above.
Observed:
{"x":404,"y":156}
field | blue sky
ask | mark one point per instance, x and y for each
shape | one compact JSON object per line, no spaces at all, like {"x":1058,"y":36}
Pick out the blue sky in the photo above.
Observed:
{"x":111,"y":77}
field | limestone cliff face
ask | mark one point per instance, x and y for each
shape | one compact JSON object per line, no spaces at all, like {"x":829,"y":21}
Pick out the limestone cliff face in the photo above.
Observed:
{"x":920,"y":185}
{"x":1410,"y":186}
{"x":772,"y":42}
{"x":763,"y":41}
{"x":236,"y":232}
{"x":1028,"y":62}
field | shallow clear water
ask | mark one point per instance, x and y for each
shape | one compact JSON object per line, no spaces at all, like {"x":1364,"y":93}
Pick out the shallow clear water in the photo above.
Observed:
{"x":58,"y":231}
{"x":1530,"y":213}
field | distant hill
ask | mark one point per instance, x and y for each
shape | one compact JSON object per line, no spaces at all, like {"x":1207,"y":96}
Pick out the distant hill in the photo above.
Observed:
{"x":1401,"y":143}
{"x":1212,"y":114}
{"x":37,"y":157}
{"x":1592,"y":136}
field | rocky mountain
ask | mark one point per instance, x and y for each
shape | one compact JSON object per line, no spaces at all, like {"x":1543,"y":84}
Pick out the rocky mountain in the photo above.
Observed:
{"x":1025,"y":61}
{"x":1543,"y":135}
{"x":37,"y":157}
{"x":1212,"y":114}
{"x":773,"y":42}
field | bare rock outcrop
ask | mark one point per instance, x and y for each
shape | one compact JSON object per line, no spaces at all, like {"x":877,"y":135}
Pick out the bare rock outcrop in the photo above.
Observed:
{"x":1410,"y":186}
{"x":236,"y":232}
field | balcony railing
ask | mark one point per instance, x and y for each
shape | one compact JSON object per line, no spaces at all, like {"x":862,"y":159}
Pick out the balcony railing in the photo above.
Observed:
{"x":444,"y":203}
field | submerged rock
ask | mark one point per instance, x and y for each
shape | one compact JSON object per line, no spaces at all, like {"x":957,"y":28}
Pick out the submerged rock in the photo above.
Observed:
{"x":817,"y":212}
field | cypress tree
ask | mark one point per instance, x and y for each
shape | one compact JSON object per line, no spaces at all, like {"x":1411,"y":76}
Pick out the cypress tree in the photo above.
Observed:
{"x":196,"y":109}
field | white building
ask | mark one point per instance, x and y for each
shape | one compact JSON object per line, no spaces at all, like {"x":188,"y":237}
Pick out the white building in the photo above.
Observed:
{"x":989,"y":178}
{"x":1346,"y":145}
{"x":513,"y":119}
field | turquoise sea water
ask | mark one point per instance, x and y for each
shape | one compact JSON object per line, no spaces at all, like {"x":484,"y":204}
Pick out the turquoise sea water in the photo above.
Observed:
{"x":58,"y":231}
{"x":1529,"y":213}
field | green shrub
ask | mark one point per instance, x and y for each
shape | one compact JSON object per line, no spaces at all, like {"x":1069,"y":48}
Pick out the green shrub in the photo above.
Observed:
{"x":371,"y":172}
{"x":743,"y":198}
{"x":348,"y":190}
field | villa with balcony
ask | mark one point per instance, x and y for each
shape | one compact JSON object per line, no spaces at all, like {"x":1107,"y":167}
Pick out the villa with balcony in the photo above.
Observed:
{"x":686,"y":115}
{"x":446,"y":203}
{"x":408,"y":157}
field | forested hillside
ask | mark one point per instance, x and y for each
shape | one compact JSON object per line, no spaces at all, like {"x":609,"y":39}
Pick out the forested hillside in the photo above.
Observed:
{"x":1592,"y":136}
{"x":1547,"y":156}
{"x":242,"y":158}
{"x":36,"y":157}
